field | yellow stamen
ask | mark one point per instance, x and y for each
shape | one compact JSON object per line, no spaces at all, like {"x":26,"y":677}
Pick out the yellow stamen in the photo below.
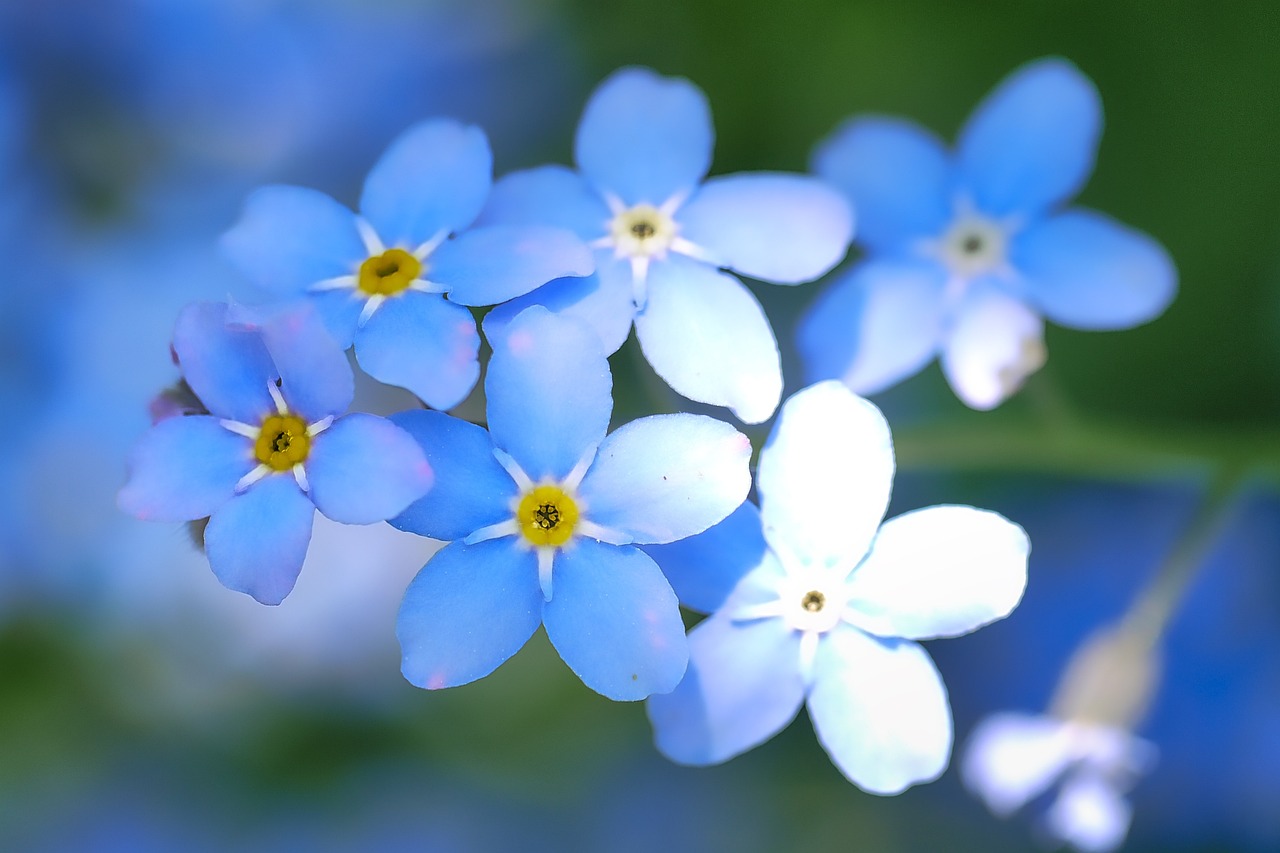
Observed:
{"x":283,"y":442}
{"x":547,"y":516}
{"x":389,"y":273}
{"x":813,"y":601}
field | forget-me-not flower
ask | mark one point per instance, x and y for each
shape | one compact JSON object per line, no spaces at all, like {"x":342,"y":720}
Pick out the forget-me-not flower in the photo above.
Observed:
{"x":663,"y":235}
{"x":543,"y":513}
{"x":381,"y":278}
{"x":966,"y":252}
{"x":274,"y":447}
{"x":831,"y":613}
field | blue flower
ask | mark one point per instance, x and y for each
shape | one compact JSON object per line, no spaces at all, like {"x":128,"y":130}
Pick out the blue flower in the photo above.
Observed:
{"x":271,"y":450}
{"x":380,"y":278}
{"x":543,"y":513}
{"x":831,"y":611}
{"x":967,"y":252}
{"x":662,"y":235}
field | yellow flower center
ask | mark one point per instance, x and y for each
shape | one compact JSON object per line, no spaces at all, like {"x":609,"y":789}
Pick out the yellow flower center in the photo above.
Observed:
{"x":389,"y":273}
{"x":547,"y":516}
{"x":813,"y":601}
{"x":283,"y":442}
{"x":642,"y":231}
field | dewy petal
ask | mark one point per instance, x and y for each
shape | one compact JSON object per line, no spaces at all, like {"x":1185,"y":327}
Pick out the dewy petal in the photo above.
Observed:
{"x":1031,"y":143}
{"x":996,"y":342}
{"x":707,"y":336}
{"x":602,"y":302}
{"x":780,"y":228}
{"x":184,"y":468}
{"x":825,"y":475}
{"x":421,"y":342}
{"x":615,"y":621}
{"x":1010,"y":759}
{"x":434,"y":177}
{"x":875,"y":325}
{"x":549,"y":393}
{"x":665,"y":477}
{"x":365,"y":469}
{"x":643,"y":137}
{"x":940,"y":572}
{"x":471,"y":489}
{"x":1090,"y":814}
{"x":704,"y":568}
{"x":485,"y":266}
{"x":880,"y":710}
{"x":289,"y":238}
{"x":743,"y":687}
{"x":898,"y":176}
{"x":258,"y":541}
{"x":227,"y":368}
{"x":1087,"y":271}
{"x":547,"y":195}
{"x":468,"y":610}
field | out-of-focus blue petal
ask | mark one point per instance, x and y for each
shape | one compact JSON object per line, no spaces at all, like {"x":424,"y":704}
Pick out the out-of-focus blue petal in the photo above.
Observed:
{"x":880,"y":710}
{"x":1011,"y":758}
{"x":603,"y":302}
{"x":228,"y":369}
{"x":289,"y":238}
{"x":703,"y":569}
{"x":468,"y":610}
{"x":665,"y":477}
{"x":615,"y":621}
{"x":824,"y":476}
{"x":184,"y":468}
{"x":780,"y":228}
{"x":471,"y":489}
{"x":643,"y":137}
{"x":875,"y":325}
{"x":1031,"y":143}
{"x":939,"y":572}
{"x":1086,"y":270}
{"x":708,"y":337}
{"x":421,"y":342}
{"x":434,"y":177}
{"x":364,"y":469}
{"x":549,"y":393}
{"x":1090,"y":813}
{"x":994,"y":344}
{"x":485,"y":266}
{"x":743,"y":687}
{"x":258,"y":540}
{"x":547,"y":195}
{"x":898,"y":176}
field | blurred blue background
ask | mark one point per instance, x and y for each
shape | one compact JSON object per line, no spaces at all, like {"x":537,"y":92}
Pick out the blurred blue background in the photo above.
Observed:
{"x":143,"y":707}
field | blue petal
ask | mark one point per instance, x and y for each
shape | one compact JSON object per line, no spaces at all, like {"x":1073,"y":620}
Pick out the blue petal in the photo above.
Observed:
{"x":421,"y":342}
{"x":549,"y":392}
{"x":615,"y":621}
{"x":184,"y":468}
{"x":289,"y":238}
{"x":471,"y":489}
{"x":708,"y":337}
{"x":485,"y":266}
{"x":547,"y":195}
{"x":880,"y":710}
{"x":434,"y":177}
{"x":228,"y":369}
{"x":1031,"y":143}
{"x":603,"y":302}
{"x":743,"y":687}
{"x":257,"y":542}
{"x":665,"y":477}
{"x":780,"y":228}
{"x":1087,"y":271}
{"x":824,"y":476}
{"x":645,"y":138}
{"x":703,"y":569}
{"x":995,"y":342}
{"x":365,"y":469}
{"x":898,"y":176}
{"x":876,"y":324}
{"x":468,"y":610}
{"x":340,"y":308}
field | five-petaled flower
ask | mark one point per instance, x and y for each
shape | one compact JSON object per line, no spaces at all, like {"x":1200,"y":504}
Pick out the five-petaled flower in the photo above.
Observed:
{"x":274,"y":447}
{"x":543,"y":513}
{"x":832,"y":608}
{"x":662,"y":235}
{"x":967,"y":253}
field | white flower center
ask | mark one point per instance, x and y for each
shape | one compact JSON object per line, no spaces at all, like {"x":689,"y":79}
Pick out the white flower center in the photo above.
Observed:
{"x":974,"y":246}
{"x":642,"y":231}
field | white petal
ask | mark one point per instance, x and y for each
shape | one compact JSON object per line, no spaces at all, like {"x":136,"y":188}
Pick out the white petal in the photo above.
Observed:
{"x":1090,"y":814}
{"x":1012,"y":758}
{"x":996,"y":343}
